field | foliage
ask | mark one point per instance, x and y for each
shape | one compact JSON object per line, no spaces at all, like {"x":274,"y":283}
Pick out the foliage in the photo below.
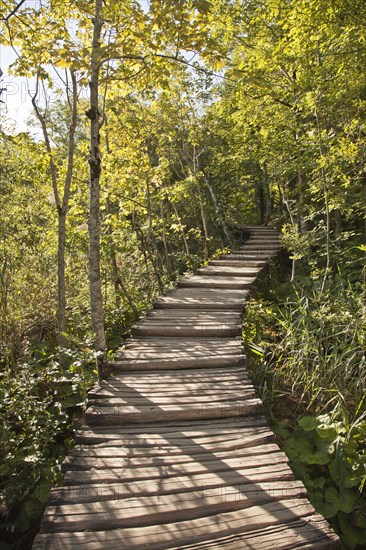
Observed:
{"x":328,"y":453}
{"x":26,"y":233}
{"x":317,"y":349}
{"x":39,"y":400}
{"x":293,"y":108}
{"x":307,"y":356}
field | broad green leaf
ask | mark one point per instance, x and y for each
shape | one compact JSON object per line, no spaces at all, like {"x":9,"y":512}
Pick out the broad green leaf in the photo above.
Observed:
{"x":326,"y":503}
{"x":309,"y":423}
{"x":347,"y":500}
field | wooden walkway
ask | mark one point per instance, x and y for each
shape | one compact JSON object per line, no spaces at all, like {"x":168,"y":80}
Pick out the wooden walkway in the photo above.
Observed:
{"x":175,"y":452}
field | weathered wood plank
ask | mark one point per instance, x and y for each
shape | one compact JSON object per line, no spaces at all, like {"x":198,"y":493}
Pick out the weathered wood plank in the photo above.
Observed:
{"x":246,"y":256}
{"x":189,"y":376}
{"x":193,"y":314}
{"x":169,"y":432}
{"x":173,"y":345}
{"x":196,"y":387}
{"x":181,"y":348}
{"x":182,"y":474}
{"x":77,"y":494}
{"x":219,"y":282}
{"x":242,"y":427}
{"x":199,"y":331}
{"x":172,"y":398}
{"x":108,"y":395}
{"x":312,"y":533}
{"x":232,"y":271}
{"x":155,"y":510}
{"x":202,"y":411}
{"x":185,"y":345}
{"x":158,"y":363}
{"x":159,"y":537}
{"x":259,"y":443}
{"x":238,"y":263}
{"x":249,"y":457}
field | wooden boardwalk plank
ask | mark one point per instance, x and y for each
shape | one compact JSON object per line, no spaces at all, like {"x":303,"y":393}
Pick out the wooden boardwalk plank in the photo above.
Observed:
{"x":183,"y":533}
{"x":146,"y":511}
{"x":206,"y":281}
{"x":159,"y":363}
{"x":133,"y":448}
{"x":178,"y":345}
{"x":224,"y":271}
{"x":120,"y":415}
{"x":174,"y":452}
{"x":250,"y":457}
{"x":76,"y":494}
{"x":230,"y":262}
{"x":198,"y":476}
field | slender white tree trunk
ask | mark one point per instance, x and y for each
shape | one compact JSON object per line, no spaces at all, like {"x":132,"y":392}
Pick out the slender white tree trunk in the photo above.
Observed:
{"x":218,"y":209}
{"x":62,"y":206}
{"x":95,"y":280}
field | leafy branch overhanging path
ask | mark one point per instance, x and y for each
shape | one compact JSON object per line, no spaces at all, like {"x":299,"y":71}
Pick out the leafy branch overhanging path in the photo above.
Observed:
{"x":175,"y":452}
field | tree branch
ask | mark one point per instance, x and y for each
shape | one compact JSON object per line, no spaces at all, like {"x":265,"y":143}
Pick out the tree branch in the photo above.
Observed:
{"x":17,"y":7}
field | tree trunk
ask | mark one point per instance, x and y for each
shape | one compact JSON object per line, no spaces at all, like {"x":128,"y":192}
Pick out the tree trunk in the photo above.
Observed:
{"x":152,"y":250}
{"x":363,"y":195}
{"x":61,"y":286}
{"x":168,"y":262}
{"x":62,"y":208}
{"x":119,"y":284}
{"x":203,"y":220}
{"x":338,"y":222}
{"x":219,"y":211}
{"x":148,"y":255}
{"x":301,"y":194}
{"x":140,"y":239}
{"x":266,"y":198}
{"x":185,"y":242}
{"x":294,"y":225}
{"x":95,"y":280}
{"x":326,"y":204}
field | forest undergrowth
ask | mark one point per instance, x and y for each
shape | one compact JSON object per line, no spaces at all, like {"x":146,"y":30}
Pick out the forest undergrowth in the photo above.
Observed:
{"x":306,"y":355}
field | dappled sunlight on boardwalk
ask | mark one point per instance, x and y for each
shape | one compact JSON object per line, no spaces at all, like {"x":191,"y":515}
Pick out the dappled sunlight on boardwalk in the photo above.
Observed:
{"x":175,"y":452}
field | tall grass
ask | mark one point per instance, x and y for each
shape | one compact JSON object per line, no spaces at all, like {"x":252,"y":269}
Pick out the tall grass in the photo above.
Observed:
{"x":307,"y":357}
{"x":312,"y":348}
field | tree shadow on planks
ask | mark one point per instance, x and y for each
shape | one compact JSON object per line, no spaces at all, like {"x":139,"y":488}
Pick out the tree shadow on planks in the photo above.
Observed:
{"x":209,"y":497}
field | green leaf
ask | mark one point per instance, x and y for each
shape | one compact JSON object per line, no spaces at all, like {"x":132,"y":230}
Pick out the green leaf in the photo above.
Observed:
{"x":347,"y":500}
{"x":359,"y":518}
{"x":33,"y":508}
{"x":256,"y":349}
{"x":74,"y":400}
{"x":343,"y":475}
{"x":327,"y":433}
{"x":315,"y":483}
{"x":325,"y":446}
{"x":282,"y":429}
{"x":42,"y":490}
{"x":298,"y":451}
{"x":352,"y":535}
{"x":326,"y":504}
{"x":309,"y":423}
{"x":320,"y":457}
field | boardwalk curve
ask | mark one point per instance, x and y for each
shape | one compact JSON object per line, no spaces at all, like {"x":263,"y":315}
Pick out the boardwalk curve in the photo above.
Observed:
{"x":175,"y":452}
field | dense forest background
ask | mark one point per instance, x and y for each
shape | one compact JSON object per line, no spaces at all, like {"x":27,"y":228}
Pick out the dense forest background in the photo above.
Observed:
{"x":165,"y":126}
